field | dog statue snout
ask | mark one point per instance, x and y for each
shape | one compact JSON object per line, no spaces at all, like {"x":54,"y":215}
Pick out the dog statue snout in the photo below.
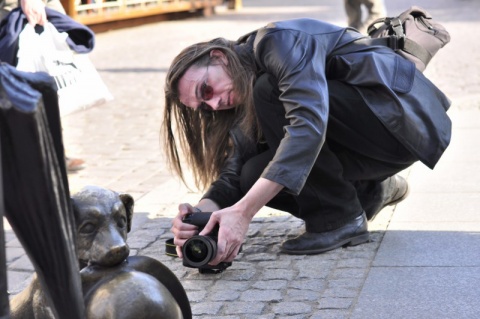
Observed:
{"x":114,"y":256}
{"x":109,"y":248}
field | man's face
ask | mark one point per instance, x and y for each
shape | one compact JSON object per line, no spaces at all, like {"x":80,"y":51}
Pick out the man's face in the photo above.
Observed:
{"x":208,"y":87}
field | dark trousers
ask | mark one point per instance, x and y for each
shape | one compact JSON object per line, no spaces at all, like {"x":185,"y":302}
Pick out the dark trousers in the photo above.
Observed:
{"x":358,"y":154}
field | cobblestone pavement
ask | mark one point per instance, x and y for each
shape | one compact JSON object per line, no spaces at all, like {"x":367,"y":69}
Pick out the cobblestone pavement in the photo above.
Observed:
{"x":120,"y":142}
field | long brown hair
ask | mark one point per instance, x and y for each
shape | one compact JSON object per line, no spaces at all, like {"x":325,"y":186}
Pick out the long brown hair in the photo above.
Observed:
{"x":203,"y":136}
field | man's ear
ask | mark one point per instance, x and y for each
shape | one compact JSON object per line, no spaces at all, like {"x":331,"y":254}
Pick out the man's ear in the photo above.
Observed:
{"x":219,"y":55}
{"x":128,"y":202}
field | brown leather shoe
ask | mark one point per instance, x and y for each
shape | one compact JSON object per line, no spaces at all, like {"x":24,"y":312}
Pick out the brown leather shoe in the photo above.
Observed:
{"x":352,"y":234}
{"x":74,"y":164}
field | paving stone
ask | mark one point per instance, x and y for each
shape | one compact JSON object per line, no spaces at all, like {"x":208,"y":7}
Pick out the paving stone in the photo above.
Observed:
{"x":291,"y":308}
{"x":13,"y":254}
{"x":340,"y":292}
{"x":291,"y":316}
{"x":206,"y":308}
{"x":279,"y":274}
{"x":261,"y":295}
{"x":312,"y":284}
{"x":244,"y":308}
{"x":18,"y":280}
{"x":270,"y":284}
{"x":231,"y":284}
{"x":197,"y":296}
{"x":335,"y":303}
{"x":227,"y":294}
{"x":330,"y":314}
{"x":23,"y":264}
{"x":302,"y":295}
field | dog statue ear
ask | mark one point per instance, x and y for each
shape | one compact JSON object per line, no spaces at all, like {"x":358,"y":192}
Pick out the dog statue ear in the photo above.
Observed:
{"x":72,"y":203}
{"x":128,"y":202}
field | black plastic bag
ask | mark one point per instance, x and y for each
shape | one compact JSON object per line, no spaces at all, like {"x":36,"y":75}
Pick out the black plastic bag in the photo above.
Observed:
{"x":35,"y":185}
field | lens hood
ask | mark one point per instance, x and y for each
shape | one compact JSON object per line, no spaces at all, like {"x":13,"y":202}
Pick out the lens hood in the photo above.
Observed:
{"x":198,"y":251}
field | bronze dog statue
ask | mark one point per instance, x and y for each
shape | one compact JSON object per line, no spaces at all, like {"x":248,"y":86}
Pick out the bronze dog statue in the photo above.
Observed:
{"x":115,"y":286}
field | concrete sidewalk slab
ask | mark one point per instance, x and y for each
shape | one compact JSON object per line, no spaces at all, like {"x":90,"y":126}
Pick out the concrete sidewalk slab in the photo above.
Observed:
{"x":428,"y":264}
{"x":420,"y":293}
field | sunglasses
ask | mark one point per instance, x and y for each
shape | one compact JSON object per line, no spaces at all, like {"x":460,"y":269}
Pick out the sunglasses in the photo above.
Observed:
{"x":206,"y":91}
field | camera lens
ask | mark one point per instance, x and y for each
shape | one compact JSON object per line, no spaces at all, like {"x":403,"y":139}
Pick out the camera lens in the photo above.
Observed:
{"x":198,"y":251}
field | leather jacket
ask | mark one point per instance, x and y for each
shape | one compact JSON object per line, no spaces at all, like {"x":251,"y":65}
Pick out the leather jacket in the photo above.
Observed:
{"x":301,"y":55}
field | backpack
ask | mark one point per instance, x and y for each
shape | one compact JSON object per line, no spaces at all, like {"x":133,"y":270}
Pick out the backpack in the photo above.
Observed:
{"x":413,"y":34}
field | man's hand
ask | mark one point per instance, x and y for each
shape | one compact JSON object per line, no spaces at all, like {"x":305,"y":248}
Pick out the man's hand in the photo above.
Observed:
{"x":233,"y":227}
{"x":234,"y":221}
{"x":35,"y":11}
{"x":183,"y":231}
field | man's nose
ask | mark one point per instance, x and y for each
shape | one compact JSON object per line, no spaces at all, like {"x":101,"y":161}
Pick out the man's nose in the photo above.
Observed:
{"x":214,"y":102}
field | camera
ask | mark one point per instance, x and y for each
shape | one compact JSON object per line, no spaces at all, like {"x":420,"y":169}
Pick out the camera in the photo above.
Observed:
{"x":198,"y":250}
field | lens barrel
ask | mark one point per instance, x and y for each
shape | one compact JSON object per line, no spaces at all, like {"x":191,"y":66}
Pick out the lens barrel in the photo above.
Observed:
{"x":198,"y":251}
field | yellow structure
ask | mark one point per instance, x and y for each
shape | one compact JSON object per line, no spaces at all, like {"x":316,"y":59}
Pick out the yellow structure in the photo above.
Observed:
{"x":234,"y":4}
{"x":113,"y":12}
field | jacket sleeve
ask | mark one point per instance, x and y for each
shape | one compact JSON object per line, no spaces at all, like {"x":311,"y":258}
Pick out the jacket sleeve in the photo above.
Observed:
{"x":297,"y":60}
{"x":226,"y":191}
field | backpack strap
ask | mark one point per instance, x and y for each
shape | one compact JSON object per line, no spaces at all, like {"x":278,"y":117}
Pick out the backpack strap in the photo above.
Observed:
{"x":397,"y":26}
{"x":417,"y":50}
{"x":393,"y":42}
{"x":373,"y":26}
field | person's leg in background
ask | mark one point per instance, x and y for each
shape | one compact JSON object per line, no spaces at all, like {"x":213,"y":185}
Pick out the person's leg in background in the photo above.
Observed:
{"x":353,"y":8}
{"x":6,"y":6}
{"x":376,"y":9}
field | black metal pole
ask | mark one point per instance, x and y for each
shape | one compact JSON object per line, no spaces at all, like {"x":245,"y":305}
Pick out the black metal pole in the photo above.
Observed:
{"x":4,"y":303}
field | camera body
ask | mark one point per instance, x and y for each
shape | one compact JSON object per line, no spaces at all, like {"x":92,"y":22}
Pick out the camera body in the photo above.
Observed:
{"x":198,"y":250}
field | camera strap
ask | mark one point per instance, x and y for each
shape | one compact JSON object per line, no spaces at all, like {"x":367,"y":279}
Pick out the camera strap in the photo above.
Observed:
{"x":170,"y":248}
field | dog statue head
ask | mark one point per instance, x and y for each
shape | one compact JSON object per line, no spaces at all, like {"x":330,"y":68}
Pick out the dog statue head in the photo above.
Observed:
{"x":103,"y":219}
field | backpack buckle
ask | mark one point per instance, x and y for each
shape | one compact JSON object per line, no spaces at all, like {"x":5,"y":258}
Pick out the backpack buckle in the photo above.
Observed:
{"x":396,"y":43}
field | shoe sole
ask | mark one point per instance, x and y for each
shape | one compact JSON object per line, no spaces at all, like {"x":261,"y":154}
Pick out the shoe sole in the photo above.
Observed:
{"x":74,"y":165}
{"x":401,"y":198}
{"x":354,"y":241}
{"x":393,"y":202}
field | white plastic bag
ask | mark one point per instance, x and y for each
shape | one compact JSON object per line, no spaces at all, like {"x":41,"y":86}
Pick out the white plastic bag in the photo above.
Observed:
{"x":79,"y":84}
